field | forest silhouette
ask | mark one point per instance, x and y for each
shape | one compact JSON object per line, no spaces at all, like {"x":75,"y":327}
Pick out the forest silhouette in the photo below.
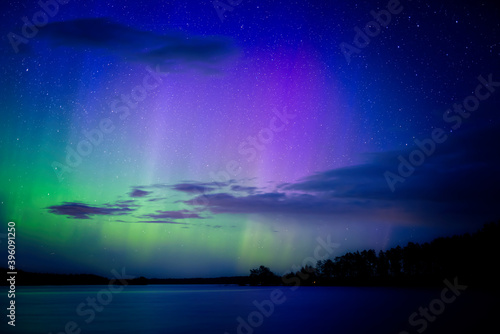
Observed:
{"x":472,"y":258}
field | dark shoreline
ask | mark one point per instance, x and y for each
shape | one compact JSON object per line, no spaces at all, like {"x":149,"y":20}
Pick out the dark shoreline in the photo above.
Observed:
{"x":470,"y":258}
{"x":24,"y":278}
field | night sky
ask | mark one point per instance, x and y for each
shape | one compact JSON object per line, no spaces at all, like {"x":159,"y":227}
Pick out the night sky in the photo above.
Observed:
{"x":200,"y":138}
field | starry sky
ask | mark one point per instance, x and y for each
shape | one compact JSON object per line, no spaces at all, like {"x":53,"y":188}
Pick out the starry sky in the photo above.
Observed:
{"x":205,"y":138}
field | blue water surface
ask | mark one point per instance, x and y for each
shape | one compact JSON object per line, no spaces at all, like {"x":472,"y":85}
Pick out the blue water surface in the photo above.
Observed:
{"x":251,"y":310}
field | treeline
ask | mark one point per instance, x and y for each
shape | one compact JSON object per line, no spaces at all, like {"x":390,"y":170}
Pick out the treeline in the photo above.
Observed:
{"x":240,"y":280}
{"x":472,"y":258}
{"x":29,"y":278}
{"x":24,"y":278}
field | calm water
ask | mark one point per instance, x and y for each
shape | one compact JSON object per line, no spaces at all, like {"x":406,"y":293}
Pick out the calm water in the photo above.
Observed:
{"x":215,"y":309}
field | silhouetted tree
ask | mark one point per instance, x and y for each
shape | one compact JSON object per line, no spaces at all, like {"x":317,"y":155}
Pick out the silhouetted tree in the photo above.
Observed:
{"x":395,"y":255}
{"x":382,"y":265}
{"x":471,"y":257}
{"x":411,"y":259}
{"x":263,"y":276}
{"x":325,"y":269}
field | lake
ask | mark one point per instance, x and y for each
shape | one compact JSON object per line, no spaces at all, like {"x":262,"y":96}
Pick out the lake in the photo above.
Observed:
{"x":234,"y":309}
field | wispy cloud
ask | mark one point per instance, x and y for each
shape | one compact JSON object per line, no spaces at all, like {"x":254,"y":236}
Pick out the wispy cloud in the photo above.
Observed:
{"x":180,"y":214}
{"x":246,"y":189}
{"x":275,"y":203}
{"x":83,"y":211}
{"x":139,"y":193}
{"x":194,"y":187}
{"x":171,"y":49}
{"x":458,"y":182}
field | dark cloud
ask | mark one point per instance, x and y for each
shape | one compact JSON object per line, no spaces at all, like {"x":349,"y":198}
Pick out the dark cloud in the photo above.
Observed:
{"x":249,"y":190}
{"x":463,"y":168}
{"x":181,"y":214}
{"x":193,"y":187}
{"x":139,"y":193}
{"x":171,"y":49}
{"x":189,"y":186}
{"x":156,"y":199}
{"x":274,"y":203}
{"x":83,"y":211}
{"x":460,"y":180}
{"x":130,"y":204}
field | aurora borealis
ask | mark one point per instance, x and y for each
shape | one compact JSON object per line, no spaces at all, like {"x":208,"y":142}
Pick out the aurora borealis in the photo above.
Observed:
{"x":157,"y":137}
